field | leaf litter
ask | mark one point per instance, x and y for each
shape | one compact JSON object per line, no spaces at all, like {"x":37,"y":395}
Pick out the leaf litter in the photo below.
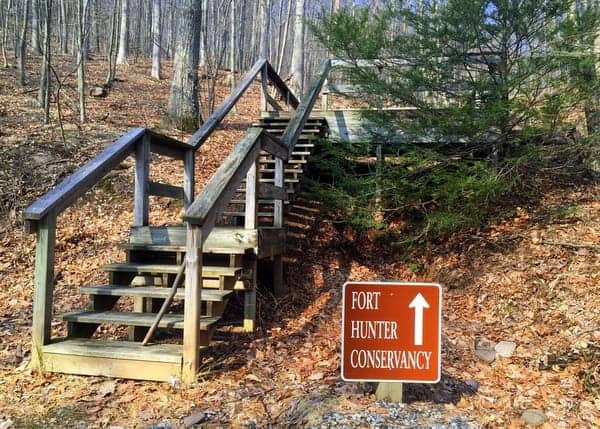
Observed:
{"x":506,"y":283}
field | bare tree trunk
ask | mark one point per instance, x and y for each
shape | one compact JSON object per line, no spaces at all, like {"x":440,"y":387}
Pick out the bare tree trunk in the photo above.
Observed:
{"x":64,"y":38}
{"x":284,"y":37}
{"x":264,"y":35}
{"x":124,"y":33}
{"x":232,"y":46}
{"x":35,"y":27}
{"x":23,"y":43}
{"x":255,"y":31}
{"x":156,"y":39}
{"x":95,"y":17}
{"x":45,"y":77}
{"x":5,"y":33}
{"x":183,"y":109}
{"x":173,"y":31}
{"x":112,"y":43}
{"x":81,"y":12}
{"x":297,"y":84}
{"x":204,"y":16}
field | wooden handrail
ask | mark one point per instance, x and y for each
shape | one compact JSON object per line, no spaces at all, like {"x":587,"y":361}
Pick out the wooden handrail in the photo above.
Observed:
{"x":215,"y":119}
{"x":61,"y":196}
{"x":294,"y":129}
{"x":223,"y":184}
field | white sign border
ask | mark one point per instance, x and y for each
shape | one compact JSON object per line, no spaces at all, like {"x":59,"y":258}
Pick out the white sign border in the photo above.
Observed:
{"x":394,"y":283}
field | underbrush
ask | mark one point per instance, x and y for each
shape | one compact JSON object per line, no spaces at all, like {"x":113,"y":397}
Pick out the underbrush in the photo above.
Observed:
{"x":417,"y":193}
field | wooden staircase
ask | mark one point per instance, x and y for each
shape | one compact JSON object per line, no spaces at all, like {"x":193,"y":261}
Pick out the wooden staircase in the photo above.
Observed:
{"x":234,"y":222}
{"x":154,"y":255}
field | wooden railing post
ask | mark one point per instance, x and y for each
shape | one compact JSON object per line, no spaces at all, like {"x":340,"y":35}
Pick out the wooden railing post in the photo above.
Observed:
{"x":43,"y":288}
{"x":264,"y":79}
{"x":192,"y":306}
{"x":251,"y":222}
{"x":142,"y":173}
{"x":278,"y":203}
{"x":279,"y":287}
{"x":188,"y":178}
{"x":324,"y":97}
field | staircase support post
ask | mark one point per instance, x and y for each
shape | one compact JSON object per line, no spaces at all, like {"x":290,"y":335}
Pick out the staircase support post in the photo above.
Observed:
{"x":43,"y":288}
{"x":142,"y":173}
{"x":192,"y":306}
{"x":251,"y":222}
{"x":279,"y":287}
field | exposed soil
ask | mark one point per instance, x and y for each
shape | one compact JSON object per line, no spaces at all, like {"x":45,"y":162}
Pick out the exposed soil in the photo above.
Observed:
{"x":532,"y":279}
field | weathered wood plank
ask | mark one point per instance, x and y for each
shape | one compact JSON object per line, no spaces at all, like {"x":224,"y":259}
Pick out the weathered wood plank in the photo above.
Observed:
{"x":113,"y":367}
{"x":165,"y":190}
{"x":150,"y":292}
{"x":192,"y":307}
{"x":123,"y":359}
{"x":115,"y":349}
{"x":84,"y":178}
{"x":215,"y":119}
{"x":173,"y":238}
{"x":300,"y":116}
{"x":274,"y":146}
{"x":142,"y":268}
{"x":226,"y":180}
{"x":174,"y":321}
{"x":141,"y":203}
{"x":43,"y":288}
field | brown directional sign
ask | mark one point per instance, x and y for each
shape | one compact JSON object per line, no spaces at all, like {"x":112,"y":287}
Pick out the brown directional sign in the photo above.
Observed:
{"x":391,"y":331}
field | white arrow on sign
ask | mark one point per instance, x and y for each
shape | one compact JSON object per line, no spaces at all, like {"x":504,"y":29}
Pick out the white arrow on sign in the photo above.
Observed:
{"x":418,"y":303}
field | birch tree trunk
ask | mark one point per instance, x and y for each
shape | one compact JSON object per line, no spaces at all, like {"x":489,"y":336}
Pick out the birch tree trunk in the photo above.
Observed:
{"x":297,"y":84}
{"x":124,"y":33}
{"x":23,"y":43}
{"x":156,"y":39}
{"x":183,"y":109}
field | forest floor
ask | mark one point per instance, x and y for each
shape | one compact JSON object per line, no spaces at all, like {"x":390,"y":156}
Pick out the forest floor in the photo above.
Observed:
{"x":531,"y":281}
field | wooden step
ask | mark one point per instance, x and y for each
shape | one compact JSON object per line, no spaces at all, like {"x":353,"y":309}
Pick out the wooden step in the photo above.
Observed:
{"x":122,"y":359}
{"x":266,"y":160}
{"x":238,"y":213}
{"x":259,"y":202}
{"x":241,"y":214}
{"x":152,"y":292}
{"x":140,"y":268}
{"x":286,"y":180}
{"x":174,"y":321}
{"x":286,"y":170}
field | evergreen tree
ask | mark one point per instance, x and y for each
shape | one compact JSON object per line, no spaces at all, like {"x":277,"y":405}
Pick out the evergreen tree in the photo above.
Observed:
{"x":490,"y":85}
